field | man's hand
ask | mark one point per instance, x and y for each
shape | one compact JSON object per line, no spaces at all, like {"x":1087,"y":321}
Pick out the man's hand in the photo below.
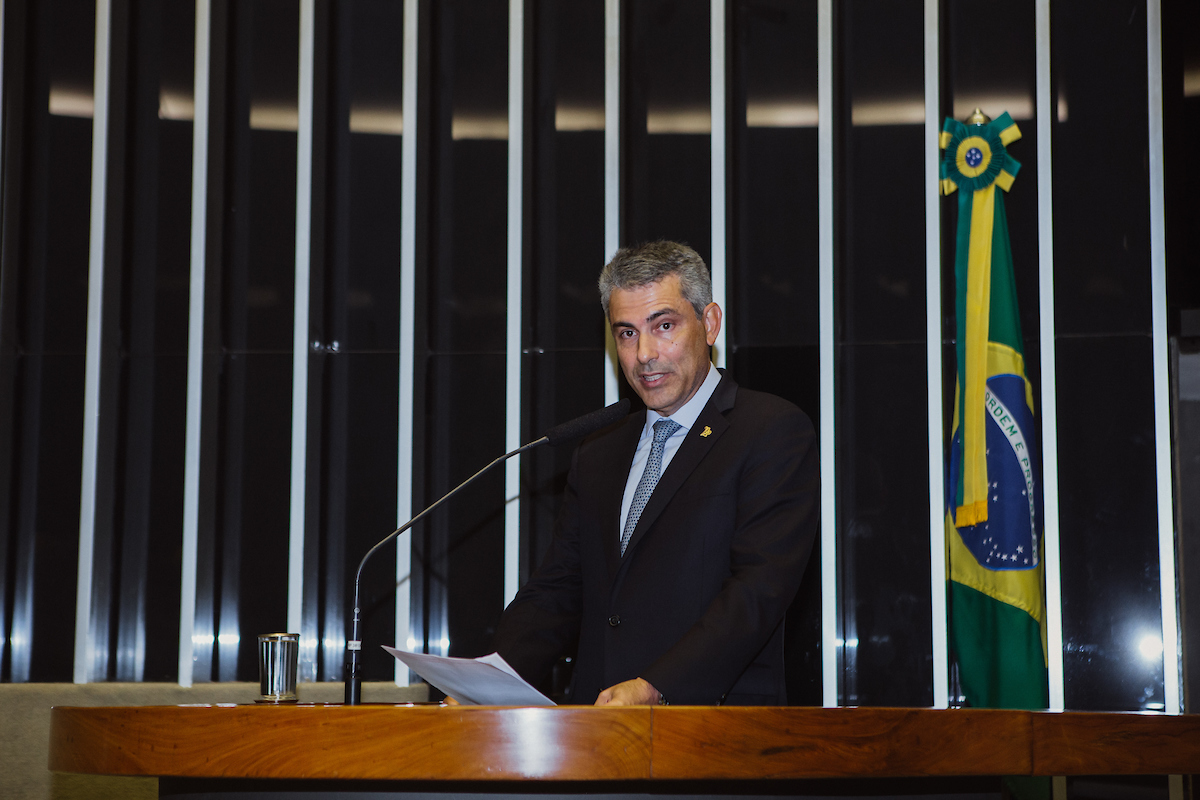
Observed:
{"x":636,"y":692}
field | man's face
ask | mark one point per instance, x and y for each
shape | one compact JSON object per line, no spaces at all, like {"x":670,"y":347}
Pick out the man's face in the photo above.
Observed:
{"x":662,"y":347}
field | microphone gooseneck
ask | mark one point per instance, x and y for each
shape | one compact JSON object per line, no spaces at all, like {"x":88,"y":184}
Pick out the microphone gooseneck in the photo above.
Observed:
{"x":560,"y":434}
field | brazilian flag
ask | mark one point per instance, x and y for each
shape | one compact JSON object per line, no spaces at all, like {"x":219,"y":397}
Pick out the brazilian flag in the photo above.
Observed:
{"x":993,"y":520}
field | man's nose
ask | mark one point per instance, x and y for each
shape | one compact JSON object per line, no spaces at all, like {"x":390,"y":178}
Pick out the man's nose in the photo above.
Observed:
{"x":647,"y":349}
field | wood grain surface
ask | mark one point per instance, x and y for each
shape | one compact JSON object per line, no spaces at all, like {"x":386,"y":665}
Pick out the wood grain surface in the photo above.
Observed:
{"x":441,"y":743}
{"x":1083,"y":743}
{"x":360,"y":742}
{"x":839,"y":743}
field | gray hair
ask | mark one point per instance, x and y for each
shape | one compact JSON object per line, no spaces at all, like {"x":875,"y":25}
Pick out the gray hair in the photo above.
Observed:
{"x":644,"y":264}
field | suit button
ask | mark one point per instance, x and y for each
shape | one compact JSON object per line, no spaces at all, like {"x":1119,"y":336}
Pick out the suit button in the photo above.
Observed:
{"x":614,"y":620}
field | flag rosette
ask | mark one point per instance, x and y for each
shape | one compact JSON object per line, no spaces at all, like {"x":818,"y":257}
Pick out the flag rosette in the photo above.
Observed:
{"x":976,"y":156}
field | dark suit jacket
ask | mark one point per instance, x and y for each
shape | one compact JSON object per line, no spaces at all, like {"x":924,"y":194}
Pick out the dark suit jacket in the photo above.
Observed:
{"x":696,"y":604}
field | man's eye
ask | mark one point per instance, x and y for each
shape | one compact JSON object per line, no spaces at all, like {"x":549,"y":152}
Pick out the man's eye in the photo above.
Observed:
{"x":626,"y":334}
{"x":666,"y":326}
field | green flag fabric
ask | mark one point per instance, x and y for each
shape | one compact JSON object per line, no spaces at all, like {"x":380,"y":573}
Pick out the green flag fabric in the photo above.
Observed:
{"x":996,"y":592}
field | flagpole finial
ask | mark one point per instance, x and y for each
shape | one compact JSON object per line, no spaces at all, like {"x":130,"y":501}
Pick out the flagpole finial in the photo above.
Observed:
{"x":978,"y":118}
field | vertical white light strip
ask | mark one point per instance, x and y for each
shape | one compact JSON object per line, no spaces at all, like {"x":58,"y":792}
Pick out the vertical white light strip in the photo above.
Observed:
{"x":1046,"y":108}
{"x":1162,"y":399}
{"x":933,"y":361}
{"x":512,"y":372}
{"x":195,"y":356}
{"x":612,"y":169}
{"x":408,"y":288}
{"x":304,"y":152}
{"x":829,"y":643}
{"x":718,"y":260}
{"x":84,"y":649}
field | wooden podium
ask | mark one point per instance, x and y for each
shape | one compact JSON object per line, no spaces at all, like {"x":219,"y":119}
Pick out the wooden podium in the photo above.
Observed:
{"x":577,"y":750}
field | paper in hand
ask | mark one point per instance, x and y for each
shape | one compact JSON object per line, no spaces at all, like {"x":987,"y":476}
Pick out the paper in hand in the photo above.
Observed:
{"x":484,"y":681}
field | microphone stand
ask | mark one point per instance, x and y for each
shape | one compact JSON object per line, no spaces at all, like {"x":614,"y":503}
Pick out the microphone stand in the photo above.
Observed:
{"x":354,"y":643}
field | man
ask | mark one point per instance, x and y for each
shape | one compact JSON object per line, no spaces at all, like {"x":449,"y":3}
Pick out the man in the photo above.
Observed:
{"x":680,"y":544}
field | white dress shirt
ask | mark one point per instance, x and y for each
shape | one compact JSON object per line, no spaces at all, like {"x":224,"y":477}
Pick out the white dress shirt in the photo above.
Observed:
{"x":686,"y":417}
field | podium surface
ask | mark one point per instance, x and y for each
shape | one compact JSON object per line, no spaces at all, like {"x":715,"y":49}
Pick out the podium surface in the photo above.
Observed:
{"x":488,"y":744}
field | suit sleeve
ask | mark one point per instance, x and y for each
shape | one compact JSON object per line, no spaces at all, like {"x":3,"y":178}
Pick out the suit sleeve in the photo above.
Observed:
{"x":542,"y":622}
{"x":776,"y":524}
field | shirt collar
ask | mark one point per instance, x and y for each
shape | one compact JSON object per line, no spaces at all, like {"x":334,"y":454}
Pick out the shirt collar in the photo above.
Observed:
{"x":689,"y":411}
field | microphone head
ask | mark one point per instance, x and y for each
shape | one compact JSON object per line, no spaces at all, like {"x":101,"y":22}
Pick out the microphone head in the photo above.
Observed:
{"x":588,"y":423}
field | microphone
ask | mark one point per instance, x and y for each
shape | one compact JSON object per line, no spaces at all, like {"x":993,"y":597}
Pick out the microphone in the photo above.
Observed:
{"x":559,"y":434}
{"x":581,"y":426}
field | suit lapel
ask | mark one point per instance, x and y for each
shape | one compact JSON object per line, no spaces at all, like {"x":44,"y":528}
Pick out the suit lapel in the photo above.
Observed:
{"x":612,"y":492}
{"x":691,"y":452}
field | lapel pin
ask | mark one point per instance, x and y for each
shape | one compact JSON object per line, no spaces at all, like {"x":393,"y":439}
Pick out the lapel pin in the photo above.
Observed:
{"x":706,"y":432}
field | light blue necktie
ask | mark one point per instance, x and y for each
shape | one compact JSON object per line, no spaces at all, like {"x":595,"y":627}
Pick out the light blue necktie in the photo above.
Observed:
{"x":662,"y":431}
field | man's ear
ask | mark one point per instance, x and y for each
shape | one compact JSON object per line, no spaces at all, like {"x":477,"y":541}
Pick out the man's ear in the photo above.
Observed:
{"x":712,"y":322}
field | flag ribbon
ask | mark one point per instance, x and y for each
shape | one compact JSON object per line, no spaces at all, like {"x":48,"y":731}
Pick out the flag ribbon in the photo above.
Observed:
{"x":973,"y":507}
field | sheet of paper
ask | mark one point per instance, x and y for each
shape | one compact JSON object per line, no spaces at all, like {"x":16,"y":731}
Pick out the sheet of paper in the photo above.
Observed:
{"x":484,"y":681}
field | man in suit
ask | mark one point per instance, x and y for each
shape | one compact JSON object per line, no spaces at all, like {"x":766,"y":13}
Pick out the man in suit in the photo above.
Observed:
{"x":685,"y":529}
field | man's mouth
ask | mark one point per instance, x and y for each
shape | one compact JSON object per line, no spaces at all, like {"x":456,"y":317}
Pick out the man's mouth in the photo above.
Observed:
{"x":654,"y":378}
